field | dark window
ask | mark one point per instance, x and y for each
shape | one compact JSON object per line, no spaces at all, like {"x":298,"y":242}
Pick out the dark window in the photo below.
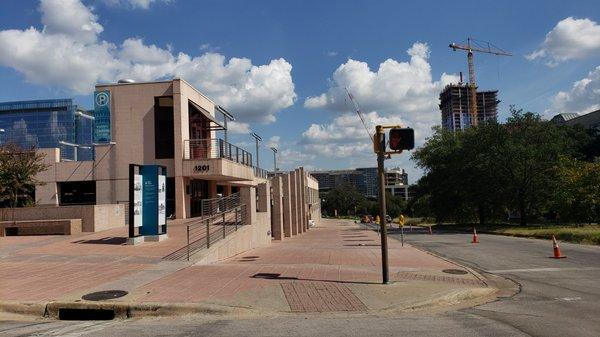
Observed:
{"x":164,"y":132}
{"x":170,"y":196}
{"x":77,"y":193}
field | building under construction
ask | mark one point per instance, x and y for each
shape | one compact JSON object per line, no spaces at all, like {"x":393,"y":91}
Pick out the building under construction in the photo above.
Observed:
{"x":454,"y":105}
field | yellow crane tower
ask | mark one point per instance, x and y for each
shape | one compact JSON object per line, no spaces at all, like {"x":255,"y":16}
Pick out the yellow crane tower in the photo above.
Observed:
{"x":474,"y":46}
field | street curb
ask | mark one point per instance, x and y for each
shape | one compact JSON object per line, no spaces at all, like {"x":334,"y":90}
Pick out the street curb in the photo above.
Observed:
{"x":122,"y":310}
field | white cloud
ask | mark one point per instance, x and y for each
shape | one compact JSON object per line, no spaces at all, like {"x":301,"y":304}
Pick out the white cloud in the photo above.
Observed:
{"x":401,"y":93}
{"x":70,"y":18}
{"x":273,"y":142}
{"x":68,"y":53}
{"x":332,"y":53}
{"x":583,"y":97}
{"x":237,"y":127}
{"x":143,"y":4}
{"x":570,"y":39}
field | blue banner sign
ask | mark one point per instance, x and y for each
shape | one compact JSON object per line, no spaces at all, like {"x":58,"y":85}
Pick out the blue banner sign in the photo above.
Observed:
{"x":102,"y":117}
{"x":149,"y":200}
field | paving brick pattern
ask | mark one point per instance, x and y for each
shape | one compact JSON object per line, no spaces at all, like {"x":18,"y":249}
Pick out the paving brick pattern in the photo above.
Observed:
{"x":315,"y":270}
{"x":321,"y":297}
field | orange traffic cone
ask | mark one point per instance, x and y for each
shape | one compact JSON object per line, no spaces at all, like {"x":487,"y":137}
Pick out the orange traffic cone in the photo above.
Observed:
{"x":430,"y":232}
{"x":557,"y":254}
{"x":475,"y":238}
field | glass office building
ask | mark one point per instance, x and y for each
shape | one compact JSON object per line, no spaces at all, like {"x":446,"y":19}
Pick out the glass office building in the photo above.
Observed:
{"x":47,"y":124}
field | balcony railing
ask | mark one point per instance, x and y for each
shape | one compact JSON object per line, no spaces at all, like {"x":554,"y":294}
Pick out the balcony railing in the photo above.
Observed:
{"x":215,"y":148}
{"x":260,"y":172}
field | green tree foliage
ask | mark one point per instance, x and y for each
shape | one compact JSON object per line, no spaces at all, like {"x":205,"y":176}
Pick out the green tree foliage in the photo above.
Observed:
{"x":346,"y":199}
{"x":18,"y":169}
{"x":578,"y":194}
{"x":490,"y":169}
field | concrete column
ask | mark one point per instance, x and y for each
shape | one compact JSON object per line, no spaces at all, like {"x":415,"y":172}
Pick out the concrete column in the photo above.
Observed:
{"x":182,"y":211}
{"x":277,"y":210}
{"x":263,"y":197}
{"x":226,"y":190}
{"x":212,"y":189}
{"x":299,"y":200}
{"x":248,"y":198}
{"x":287,"y":212}
{"x":294,"y":201}
{"x":304,"y":200}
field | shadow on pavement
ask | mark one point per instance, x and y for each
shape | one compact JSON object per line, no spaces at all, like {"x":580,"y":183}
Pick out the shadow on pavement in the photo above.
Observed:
{"x":112,"y":240}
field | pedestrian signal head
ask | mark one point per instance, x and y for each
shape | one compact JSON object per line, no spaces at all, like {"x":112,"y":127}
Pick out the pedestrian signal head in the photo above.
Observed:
{"x":402,"y":139}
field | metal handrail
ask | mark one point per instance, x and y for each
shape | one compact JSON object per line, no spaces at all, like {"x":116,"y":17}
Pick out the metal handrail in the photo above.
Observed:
{"x":213,"y":206}
{"x":204,"y":232}
{"x":211,"y":148}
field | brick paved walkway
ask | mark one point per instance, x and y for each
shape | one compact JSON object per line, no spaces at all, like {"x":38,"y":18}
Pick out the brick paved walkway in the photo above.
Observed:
{"x":333,"y":267}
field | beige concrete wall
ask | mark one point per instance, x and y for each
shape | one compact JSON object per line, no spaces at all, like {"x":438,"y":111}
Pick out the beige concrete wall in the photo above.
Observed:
{"x":93,"y":217}
{"x":218,"y":170}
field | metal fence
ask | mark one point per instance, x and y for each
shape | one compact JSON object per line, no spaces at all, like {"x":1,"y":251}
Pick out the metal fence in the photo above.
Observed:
{"x":213,"y":206}
{"x":260,"y":172}
{"x":215,"y":148}
{"x":204,"y":232}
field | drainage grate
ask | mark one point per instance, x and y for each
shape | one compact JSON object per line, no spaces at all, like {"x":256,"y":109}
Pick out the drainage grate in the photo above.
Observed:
{"x":455,"y":271}
{"x":86,"y":314}
{"x":104,"y":295}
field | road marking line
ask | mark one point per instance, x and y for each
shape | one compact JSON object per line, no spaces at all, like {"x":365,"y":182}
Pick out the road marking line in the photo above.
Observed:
{"x":533,"y":270}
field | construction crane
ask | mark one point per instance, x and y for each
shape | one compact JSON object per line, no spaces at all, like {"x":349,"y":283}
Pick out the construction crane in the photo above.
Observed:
{"x":473,"y":46}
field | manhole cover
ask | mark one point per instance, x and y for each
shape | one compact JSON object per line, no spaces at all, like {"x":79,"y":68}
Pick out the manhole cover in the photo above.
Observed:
{"x":455,"y":271}
{"x":104,"y":295}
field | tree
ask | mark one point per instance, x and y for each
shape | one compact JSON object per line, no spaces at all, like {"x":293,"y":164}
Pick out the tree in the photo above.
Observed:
{"x":483,"y":171}
{"x":440,"y":157}
{"x":578,"y":196}
{"x":526,"y":161}
{"x":346,"y":199}
{"x":18,"y":171}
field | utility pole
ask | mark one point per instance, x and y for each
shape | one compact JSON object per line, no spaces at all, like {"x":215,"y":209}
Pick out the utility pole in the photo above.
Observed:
{"x":380,"y":147}
{"x":274,"y":159}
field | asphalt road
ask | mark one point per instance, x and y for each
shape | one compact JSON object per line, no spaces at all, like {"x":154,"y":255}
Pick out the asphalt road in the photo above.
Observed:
{"x":558,"y":298}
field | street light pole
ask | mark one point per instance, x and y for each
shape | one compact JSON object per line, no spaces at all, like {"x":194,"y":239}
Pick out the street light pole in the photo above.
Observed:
{"x":257,"y":138}
{"x":274,"y":159}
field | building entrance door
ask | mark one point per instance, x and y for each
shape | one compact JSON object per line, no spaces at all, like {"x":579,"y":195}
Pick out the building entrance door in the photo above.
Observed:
{"x":199,"y":192}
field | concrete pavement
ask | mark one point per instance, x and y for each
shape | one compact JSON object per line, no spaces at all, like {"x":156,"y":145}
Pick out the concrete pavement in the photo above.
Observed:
{"x":558,"y":297}
{"x":332,"y":268}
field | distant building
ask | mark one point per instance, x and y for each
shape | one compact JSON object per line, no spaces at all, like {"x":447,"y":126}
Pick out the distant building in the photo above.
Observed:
{"x":588,"y":121}
{"x":396,"y":182}
{"x":454,"y":105}
{"x":363,"y":179}
{"x":48,"y":124}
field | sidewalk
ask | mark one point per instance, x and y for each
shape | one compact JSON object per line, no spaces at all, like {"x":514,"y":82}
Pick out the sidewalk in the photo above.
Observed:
{"x":334,"y":267}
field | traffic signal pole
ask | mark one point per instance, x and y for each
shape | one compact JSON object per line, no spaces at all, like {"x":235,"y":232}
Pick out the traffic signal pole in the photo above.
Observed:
{"x":380,"y":140}
{"x":400,"y":139}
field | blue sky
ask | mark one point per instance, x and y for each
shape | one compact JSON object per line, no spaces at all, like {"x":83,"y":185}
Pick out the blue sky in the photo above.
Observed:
{"x":290,"y":52}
